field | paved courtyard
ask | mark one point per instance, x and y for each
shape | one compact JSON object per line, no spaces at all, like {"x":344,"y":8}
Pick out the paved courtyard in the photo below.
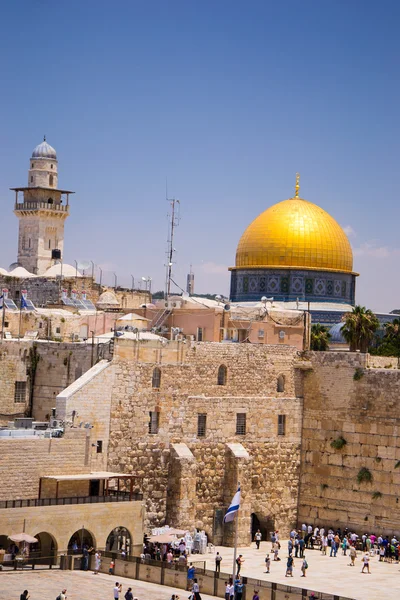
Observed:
{"x":324,"y":574}
{"x":46,"y":585}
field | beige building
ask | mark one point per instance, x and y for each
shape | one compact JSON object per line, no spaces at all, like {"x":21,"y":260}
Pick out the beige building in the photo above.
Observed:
{"x":50,"y":491}
{"x":207,"y":320}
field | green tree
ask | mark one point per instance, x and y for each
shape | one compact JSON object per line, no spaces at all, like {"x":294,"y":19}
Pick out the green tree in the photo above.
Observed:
{"x":320,"y":337}
{"x":389,"y":344}
{"x":359,"y":328}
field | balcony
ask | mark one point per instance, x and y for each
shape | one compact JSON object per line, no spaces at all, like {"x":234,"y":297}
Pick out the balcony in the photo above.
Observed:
{"x":112,"y":496}
{"x":28,"y":206}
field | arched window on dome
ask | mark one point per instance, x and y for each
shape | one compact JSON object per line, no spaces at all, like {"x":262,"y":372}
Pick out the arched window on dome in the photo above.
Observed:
{"x":50,"y":201}
{"x":280,"y":385}
{"x":156,"y":379}
{"x":222,"y":375}
{"x":51,"y":178}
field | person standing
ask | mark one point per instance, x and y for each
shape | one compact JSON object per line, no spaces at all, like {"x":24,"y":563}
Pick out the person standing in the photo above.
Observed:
{"x":238,"y":589}
{"x":63,"y":595}
{"x":289,"y":566}
{"x":218,"y":559}
{"x":239,"y":562}
{"x":258,"y":538}
{"x":117,"y":590}
{"x":227,"y":590}
{"x":129,"y":595}
{"x":190,"y":576}
{"x":304,"y":567}
{"x":255,"y":595}
{"x":24,"y":595}
{"x":301,"y":547}
{"x":366,"y":563}
{"x":97,"y":563}
{"x":324,"y":544}
{"x":267,"y":563}
{"x":353,"y":555}
{"x":196,"y":590}
{"x":231,"y":590}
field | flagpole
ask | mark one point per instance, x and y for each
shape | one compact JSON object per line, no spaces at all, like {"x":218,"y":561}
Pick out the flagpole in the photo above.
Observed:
{"x":235,"y":548}
{"x":3,"y":318}
{"x":20,"y":319}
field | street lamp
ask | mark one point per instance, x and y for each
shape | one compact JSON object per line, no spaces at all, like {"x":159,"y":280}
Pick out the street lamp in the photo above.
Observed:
{"x":148,"y":281}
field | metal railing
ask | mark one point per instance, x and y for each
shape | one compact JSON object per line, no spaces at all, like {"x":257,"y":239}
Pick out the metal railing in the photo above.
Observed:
{"x":41,"y":205}
{"x":31,"y":502}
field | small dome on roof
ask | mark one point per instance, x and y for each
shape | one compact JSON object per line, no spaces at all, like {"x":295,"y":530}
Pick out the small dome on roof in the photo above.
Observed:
{"x":64,"y":269}
{"x":336,"y":334}
{"x":108,"y":299}
{"x":44,"y":150}
{"x":21,"y":272}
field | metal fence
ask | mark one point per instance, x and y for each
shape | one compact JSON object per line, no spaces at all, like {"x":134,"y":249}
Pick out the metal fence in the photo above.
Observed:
{"x":111,"y":497}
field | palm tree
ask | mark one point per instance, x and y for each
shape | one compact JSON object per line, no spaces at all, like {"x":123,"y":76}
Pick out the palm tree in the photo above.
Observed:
{"x":359,"y":328}
{"x":320,"y":337}
{"x":392,"y":331}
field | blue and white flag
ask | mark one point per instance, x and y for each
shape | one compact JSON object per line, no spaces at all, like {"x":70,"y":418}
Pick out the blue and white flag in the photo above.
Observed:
{"x":2,"y":301}
{"x":234,"y":507}
{"x":23,"y":303}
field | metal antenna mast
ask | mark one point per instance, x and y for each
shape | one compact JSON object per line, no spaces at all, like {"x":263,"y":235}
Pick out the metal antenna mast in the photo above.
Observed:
{"x":174,"y":222}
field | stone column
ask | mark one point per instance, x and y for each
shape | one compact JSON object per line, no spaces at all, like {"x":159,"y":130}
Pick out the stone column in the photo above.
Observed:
{"x":238,"y":469}
{"x":181,"y":495}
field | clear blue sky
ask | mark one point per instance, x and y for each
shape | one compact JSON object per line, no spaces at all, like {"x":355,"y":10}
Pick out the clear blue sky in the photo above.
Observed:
{"x":228,"y":100}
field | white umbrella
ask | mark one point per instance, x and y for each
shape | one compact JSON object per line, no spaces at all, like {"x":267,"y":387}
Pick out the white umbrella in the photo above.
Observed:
{"x":22,"y":537}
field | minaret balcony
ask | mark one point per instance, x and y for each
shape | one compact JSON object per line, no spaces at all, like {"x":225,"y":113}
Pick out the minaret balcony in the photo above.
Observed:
{"x":35,"y":206}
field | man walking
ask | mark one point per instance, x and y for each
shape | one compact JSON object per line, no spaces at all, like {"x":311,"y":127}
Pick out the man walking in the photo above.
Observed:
{"x":258,"y":538}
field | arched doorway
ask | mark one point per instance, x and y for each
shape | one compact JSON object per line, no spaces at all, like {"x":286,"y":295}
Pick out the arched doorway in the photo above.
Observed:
{"x":82,"y":539}
{"x":119,"y":540}
{"x":46,"y":548}
{"x":264,"y":524}
{"x":4,"y":542}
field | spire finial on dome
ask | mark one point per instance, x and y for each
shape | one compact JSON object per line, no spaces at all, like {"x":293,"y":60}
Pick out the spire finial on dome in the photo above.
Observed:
{"x":44,"y":137}
{"x":297,"y":187}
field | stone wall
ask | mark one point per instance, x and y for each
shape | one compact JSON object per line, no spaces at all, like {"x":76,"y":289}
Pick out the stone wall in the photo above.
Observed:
{"x":343,"y":398}
{"x":24,"y":461}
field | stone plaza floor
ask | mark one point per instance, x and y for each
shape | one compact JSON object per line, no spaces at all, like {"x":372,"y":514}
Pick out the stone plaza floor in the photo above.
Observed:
{"x":80,"y":585}
{"x":324,"y":574}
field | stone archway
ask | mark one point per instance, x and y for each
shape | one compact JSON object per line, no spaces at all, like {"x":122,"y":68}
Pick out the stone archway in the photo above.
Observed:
{"x":81,"y":539}
{"x":118,"y":540}
{"x":45,"y":549}
{"x":264,"y":524}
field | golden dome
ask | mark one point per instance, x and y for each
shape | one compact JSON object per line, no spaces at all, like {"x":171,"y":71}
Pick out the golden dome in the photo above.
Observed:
{"x":295,"y":233}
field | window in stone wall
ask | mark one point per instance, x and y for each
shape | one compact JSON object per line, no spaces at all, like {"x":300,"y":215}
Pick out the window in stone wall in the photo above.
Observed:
{"x":31,"y":178}
{"x":241,"y":424}
{"x":200,"y":334}
{"x":281,"y":424}
{"x":154,"y":421}
{"x":222,"y":374}
{"x":5,"y":323}
{"x":156,"y":380}
{"x":20,"y":391}
{"x":280,"y":385}
{"x":99,"y":446}
{"x":201,"y":425}
{"x":50,"y":180}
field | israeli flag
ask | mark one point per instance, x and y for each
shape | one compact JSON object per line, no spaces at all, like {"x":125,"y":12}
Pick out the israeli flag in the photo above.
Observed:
{"x":234,"y":507}
{"x":1,"y":300}
{"x":23,"y":303}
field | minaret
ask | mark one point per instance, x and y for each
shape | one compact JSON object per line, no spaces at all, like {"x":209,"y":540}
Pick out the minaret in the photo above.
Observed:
{"x":41,"y":213}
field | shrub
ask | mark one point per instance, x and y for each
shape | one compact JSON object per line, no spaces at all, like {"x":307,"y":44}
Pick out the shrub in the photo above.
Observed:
{"x":364,"y":474}
{"x":378,"y":459}
{"x":397,"y":465}
{"x":358,"y":374}
{"x":338,"y":443}
{"x":376,"y":495}
{"x":324,"y":486}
